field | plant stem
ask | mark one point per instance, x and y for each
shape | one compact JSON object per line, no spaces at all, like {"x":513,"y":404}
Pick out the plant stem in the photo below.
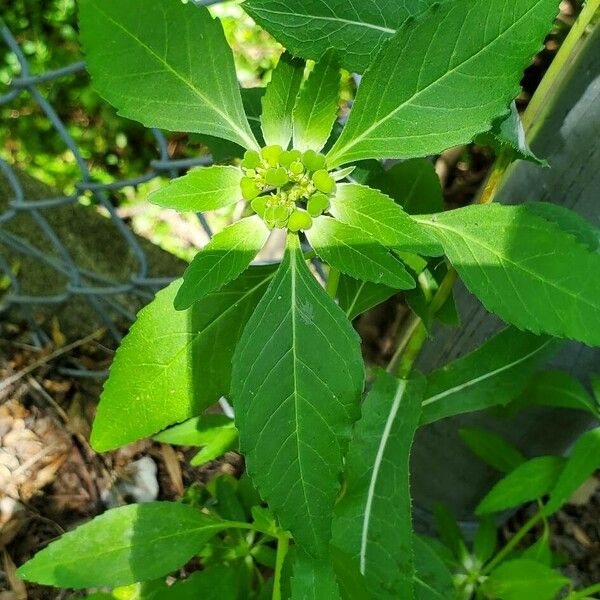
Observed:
{"x":542,"y":100}
{"x":514,"y":540}
{"x":283,"y":544}
{"x":414,"y":333}
{"x":585,"y":593}
{"x":332,"y":282}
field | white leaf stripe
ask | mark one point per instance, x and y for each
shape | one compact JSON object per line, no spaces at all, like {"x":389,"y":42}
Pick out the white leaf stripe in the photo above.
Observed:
{"x":485,"y":376}
{"x":401,"y":387}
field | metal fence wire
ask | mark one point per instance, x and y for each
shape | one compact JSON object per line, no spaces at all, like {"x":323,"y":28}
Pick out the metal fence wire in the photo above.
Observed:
{"x":100,"y":291}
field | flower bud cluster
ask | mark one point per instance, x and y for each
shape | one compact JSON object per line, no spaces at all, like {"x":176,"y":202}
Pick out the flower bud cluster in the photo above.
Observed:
{"x":299,"y":186}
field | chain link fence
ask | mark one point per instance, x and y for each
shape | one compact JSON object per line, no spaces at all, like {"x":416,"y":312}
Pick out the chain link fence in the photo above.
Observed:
{"x":102,"y":293}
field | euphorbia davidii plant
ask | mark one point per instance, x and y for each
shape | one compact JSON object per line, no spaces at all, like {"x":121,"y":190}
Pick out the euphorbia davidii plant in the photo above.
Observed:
{"x":333,"y":470}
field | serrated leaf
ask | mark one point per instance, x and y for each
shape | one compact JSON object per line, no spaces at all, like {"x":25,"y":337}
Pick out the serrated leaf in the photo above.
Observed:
{"x":317,"y":105}
{"x":202,"y":189}
{"x":492,"y":448}
{"x":433,"y":580}
{"x":224,"y":258}
{"x":168,"y":368}
{"x":279,"y":100}
{"x":310,"y":27}
{"x":356,"y":297}
{"x":380,"y":217}
{"x":373,"y":518}
{"x":349,"y":250}
{"x":148,"y":59}
{"x":139,"y":542}
{"x":583,"y":460}
{"x":524,"y":269}
{"x":557,"y":388}
{"x":521,"y":578}
{"x":417,"y":98}
{"x":297,"y":378}
{"x":495,"y":373}
{"x":413,"y":184}
{"x":529,"y":481}
{"x":313,"y":579}
{"x":569,"y":221}
{"x":508,"y":132}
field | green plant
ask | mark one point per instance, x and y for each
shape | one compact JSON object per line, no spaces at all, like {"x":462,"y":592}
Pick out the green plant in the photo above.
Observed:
{"x":333,"y":470}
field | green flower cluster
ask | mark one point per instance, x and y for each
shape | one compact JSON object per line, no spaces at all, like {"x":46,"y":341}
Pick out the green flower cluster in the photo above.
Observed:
{"x":299,"y":183}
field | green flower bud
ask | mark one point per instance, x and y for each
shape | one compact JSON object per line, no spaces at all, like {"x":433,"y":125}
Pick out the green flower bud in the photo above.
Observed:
{"x":259,"y":205}
{"x":299,"y":219}
{"x":276,"y":177}
{"x":249,"y":188}
{"x":251,"y":159}
{"x":317,"y":204}
{"x":297,"y":168}
{"x":313,"y":161}
{"x":323,"y":181}
{"x":271,"y":154}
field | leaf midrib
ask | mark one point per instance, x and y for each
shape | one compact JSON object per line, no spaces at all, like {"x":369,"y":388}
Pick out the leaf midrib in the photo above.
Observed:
{"x":243,"y":135}
{"x":356,"y":139}
{"x":363,"y":24}
{"x":502,"y":258}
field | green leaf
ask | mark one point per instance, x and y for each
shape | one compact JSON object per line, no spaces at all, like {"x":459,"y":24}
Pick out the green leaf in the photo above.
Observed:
{"x":214,"y":583}
{"x":124,"y":545}
{"x":224,"y":258}
{"x":418,"y":98}
{"x":413,"y":184}
{"x":215,"y":433}
{"x":317,"y":105}
{"x":540,"y":551}
{"x":495,"y":373}
{"x":148,"y":58}
{"x":508,"y":132}
{"x":449,"y":531}
{"x":356,"y":297}
{"x":569,"y":221}
{"x":583,"y":460}
{"x":352,"y":584}
{"x":279,"y":100}
{"x":433,"y":581}
{"x":486,"y":539}
{"x":529,"y":481}
{"x":223,"y":150}
{"x":373,"y":518}
{"x":492,"y":448}
{"x":168,"y":368}
{"x":314,"y":579}
{"x":379,"y":216}
{"x":524,"y":269}
{"x":202,"y":189}
{"x":557,"y":388}
{"x":308,"y":28}
{"x":351,"y":251}
{"x":521,"y":578}
{"x":297,"y":378}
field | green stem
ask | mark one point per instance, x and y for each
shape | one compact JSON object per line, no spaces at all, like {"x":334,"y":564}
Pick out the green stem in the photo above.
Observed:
{"x":414,"y":333}
{"x":585,"y":593}
{"x":332,"y":282}
{"x":542,"y":101}
{"x":283,"y":544}
{"x":513,"y":542}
